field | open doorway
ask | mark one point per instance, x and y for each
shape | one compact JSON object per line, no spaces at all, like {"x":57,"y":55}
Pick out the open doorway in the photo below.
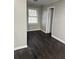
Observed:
{"x":50,"y":20}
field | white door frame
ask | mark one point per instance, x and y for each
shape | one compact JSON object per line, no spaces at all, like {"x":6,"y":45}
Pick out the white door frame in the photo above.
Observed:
{"x":48,"y":26}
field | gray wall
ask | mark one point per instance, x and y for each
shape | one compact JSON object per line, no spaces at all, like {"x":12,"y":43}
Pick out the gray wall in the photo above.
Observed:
{"x":44,"y":18}
{"x":58,"y":29}
{"x":59,"y":21}
{"x":20,"y":26}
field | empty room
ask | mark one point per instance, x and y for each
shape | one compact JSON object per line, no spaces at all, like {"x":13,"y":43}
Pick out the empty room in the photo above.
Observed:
{"x":39,"y":29}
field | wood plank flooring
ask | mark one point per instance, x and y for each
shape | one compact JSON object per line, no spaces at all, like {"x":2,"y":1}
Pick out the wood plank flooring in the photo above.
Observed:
{"x":41,"y":46}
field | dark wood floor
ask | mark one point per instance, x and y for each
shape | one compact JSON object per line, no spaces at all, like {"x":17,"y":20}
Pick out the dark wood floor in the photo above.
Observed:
{"x":41,"y":46}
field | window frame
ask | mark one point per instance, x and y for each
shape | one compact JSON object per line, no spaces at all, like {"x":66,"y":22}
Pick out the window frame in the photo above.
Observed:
{"x":33,"y":16}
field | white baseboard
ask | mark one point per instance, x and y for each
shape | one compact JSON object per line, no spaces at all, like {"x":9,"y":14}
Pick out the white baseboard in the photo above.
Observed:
{"x":21,"y":47}
{"x":33,"y":30}
{"x":43,"y":31}
{"x":58,"y":39}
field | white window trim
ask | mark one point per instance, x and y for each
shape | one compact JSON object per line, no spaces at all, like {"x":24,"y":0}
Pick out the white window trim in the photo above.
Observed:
{"x":33,"y":16}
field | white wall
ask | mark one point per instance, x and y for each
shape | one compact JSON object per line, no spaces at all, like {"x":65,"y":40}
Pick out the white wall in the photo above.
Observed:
{"x":32,"y":27}
{"x":58,"y":29}
{"x":20,"y":26}
{"x":59,"y":21}
{"x":44,"y":18}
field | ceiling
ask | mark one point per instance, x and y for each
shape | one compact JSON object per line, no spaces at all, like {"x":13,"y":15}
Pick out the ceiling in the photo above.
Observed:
{"x":41,"y":2}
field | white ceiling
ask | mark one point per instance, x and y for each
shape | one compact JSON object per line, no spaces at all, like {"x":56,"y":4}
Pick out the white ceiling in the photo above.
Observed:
{"x":41,"y":2}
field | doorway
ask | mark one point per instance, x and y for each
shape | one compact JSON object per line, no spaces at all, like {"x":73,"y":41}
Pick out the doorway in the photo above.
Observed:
{"x":50,"y":20}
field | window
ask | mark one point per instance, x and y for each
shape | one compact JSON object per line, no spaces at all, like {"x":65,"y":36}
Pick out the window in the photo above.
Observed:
{"x":32,"y":16}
